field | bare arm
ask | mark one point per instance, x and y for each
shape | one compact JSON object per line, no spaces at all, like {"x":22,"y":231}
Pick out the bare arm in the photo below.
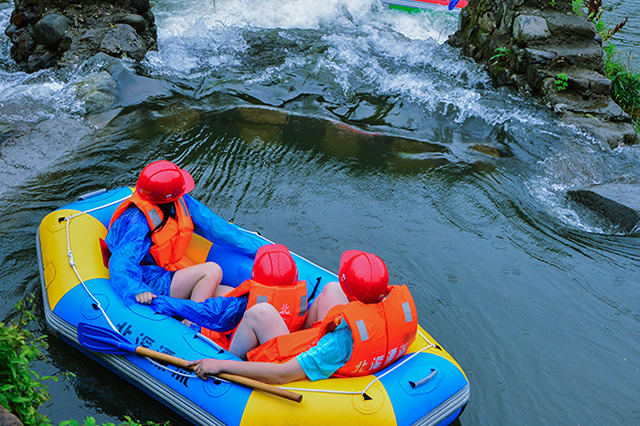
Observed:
{"x":266,"y":372}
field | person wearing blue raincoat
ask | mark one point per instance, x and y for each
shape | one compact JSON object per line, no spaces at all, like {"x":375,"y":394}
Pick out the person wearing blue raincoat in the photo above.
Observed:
{"x":133,"y":270}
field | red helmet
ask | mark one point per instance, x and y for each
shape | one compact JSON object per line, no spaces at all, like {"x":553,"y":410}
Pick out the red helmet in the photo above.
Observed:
{"x":274,"y":266}
{"x":363,"y":276}
{"x":163,"y":182}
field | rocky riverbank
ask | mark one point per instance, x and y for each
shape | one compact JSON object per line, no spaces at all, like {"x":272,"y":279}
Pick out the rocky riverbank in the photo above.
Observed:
{"x":546,"y":49}
{"x":46,"y":33}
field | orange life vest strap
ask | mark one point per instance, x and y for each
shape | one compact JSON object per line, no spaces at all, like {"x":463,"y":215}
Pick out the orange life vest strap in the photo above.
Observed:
{"x":169,"y":244}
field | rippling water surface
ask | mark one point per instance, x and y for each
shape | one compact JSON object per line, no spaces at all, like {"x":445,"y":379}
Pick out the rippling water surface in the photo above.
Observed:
{"x":335,"y":125}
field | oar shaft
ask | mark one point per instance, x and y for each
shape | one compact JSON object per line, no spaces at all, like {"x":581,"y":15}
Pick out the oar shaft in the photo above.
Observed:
{"x":159,"y":356}
{"x":170,"y":359}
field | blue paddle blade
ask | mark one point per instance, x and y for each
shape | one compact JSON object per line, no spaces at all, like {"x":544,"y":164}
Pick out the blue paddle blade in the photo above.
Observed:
{"x":453,"y":4}
{"x":99,"y":339}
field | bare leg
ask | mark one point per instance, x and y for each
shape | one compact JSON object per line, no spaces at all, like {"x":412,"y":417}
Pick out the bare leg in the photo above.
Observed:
{"x":260,"y":323}
{"x":197,"y":282}
{"x":330,"y":296}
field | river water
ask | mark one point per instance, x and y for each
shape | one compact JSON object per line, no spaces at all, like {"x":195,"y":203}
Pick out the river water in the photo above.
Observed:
{"x":335,"y":125}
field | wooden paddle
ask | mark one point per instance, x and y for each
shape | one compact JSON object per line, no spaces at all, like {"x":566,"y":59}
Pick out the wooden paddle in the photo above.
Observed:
{"x":99,"y":339}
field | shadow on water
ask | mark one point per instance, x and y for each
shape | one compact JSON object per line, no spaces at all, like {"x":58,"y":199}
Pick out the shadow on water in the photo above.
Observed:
{"x":102,"y":393}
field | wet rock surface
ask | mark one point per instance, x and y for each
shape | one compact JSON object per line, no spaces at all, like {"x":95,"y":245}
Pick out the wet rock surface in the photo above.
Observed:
{"x":46,"y":33}
{"x":618,"y":203}
{"x":529,"y":44}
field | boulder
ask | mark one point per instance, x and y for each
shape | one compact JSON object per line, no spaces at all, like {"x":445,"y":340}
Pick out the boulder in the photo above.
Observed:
{"x":528,"y":29}
{"x":618,"y":203}
{"x":123,"y":40}
{"x":97,"y":91}
{"x":51,"y":29}
{"x":136,"y":21}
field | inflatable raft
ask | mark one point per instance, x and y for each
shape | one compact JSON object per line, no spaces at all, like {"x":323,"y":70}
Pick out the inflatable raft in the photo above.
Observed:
{"x":418,"y":5}
{"x":425,"y":386}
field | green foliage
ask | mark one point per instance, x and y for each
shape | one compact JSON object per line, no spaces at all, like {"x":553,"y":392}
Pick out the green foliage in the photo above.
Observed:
{"x":22,"y":390}
{"x":502,"y":54}
{"x":596,"y":9}
{"x":625,"y":83}
{"x":90,"y":421}
{"x":552,"y":3}
{"x":562,"y":82}
{"x":577,"y":6}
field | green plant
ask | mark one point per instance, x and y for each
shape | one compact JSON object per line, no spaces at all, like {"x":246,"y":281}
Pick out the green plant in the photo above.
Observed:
{"x":90,"y":421}
{"x":502,"y":54}
{"x":562,"y":82}
{"x":552,"y":3}
{"x":625,"y":82}
{"x":22,"y":390}
{"x":595,"y":9}
{"x":577,"y":6}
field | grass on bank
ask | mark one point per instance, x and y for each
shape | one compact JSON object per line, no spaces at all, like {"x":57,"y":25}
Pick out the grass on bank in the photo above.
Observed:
{"x":22,"y":390}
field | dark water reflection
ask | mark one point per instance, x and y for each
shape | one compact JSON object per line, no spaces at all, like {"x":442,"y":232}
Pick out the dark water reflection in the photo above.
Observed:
{"x":458,"y":186}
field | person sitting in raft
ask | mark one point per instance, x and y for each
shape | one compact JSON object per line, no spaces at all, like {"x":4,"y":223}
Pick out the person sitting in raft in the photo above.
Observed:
{"x":370,"y":325}
{"x":273,"y":288}
{"x":274,"y":279}
{"x":149,"y":234}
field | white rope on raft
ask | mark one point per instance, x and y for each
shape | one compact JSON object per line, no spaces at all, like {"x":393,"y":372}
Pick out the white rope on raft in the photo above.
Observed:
{"x":72,"y":263}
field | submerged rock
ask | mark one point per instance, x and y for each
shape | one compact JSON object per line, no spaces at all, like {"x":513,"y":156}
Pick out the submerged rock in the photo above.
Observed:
{"x":618,"y":203}
{"x":97,"y":91}
{"x":113,"y":85}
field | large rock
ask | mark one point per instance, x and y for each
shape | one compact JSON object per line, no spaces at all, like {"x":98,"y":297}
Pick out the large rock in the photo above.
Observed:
{"x":123,"y":40}
{"x":51,"y":29}
{"x":528,"y":29}
{"x":618,"y":203}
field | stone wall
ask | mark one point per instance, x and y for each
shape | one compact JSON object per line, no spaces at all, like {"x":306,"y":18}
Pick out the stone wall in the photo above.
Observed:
{"x":46,"y":33}
{"x":531,"y":45}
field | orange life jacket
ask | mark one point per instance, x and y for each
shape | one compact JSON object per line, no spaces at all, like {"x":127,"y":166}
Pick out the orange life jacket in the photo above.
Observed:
{"x":381,"y":332}
{"x":170,"y":242}
{"x":290,"y":302}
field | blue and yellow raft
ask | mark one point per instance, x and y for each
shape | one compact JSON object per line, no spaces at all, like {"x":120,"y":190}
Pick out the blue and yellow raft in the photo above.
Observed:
{"x":426,"y":386}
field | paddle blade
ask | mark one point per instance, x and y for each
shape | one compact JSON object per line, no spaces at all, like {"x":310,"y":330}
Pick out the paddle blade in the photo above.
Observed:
{"x":453,"y":4}
{"x":99,"y":339}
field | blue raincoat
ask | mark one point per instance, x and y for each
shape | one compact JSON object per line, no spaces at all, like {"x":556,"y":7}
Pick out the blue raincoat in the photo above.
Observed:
{"x":215,"y":313}
{"x":132,"y":268}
